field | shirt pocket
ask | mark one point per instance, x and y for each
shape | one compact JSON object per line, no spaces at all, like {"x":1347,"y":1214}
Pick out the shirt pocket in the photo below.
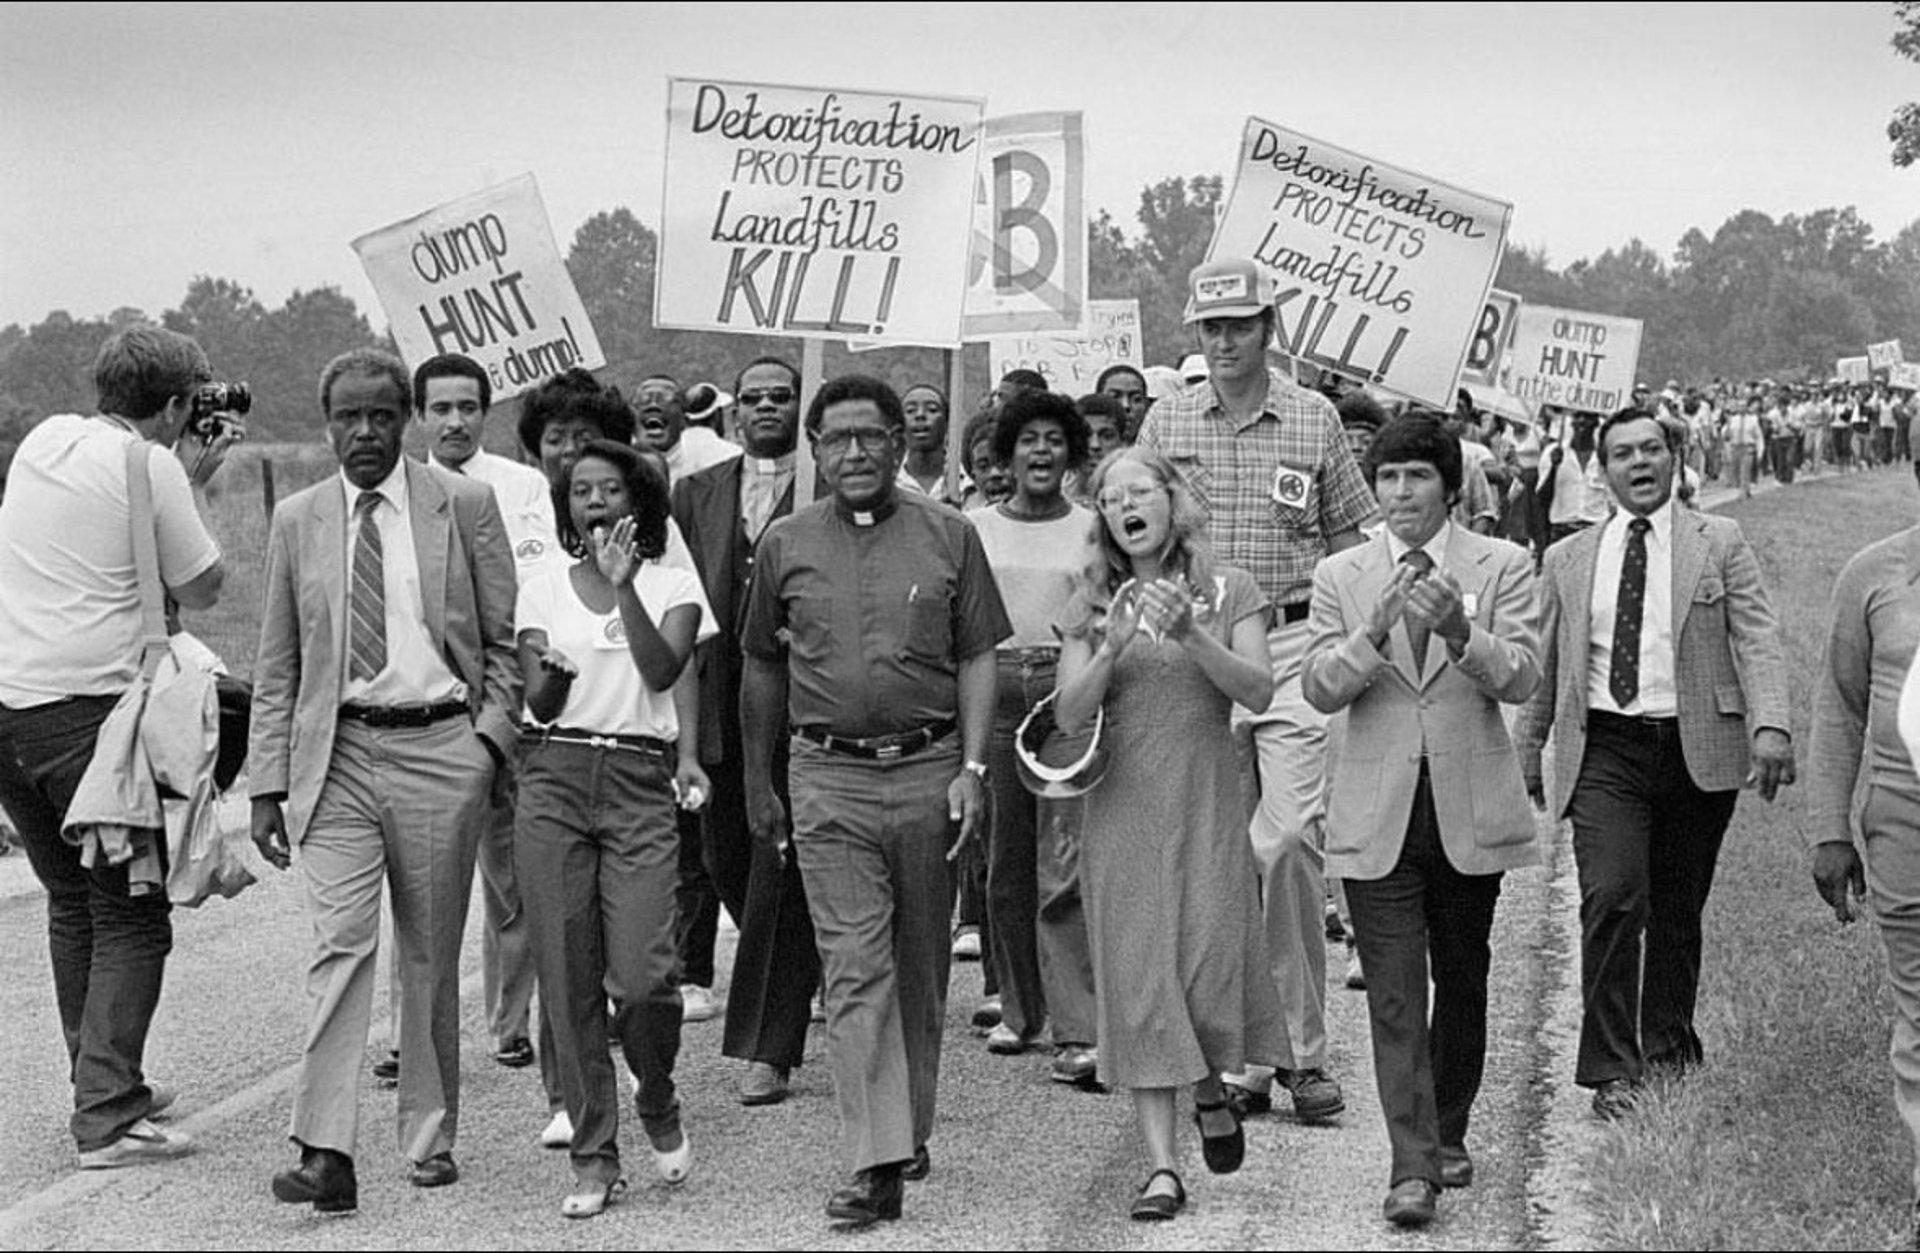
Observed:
{"x":1198,"y":478}
{"x":1293,"y":493}
{"x":930,"y":627}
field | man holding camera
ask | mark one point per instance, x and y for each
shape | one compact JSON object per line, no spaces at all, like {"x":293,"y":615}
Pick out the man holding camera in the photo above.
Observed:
{"x":72,"y":619}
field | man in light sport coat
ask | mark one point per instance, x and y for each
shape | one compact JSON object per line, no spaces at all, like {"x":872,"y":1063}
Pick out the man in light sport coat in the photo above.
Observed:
{"x":1664,"y":683}
{"x":1420,"y":635}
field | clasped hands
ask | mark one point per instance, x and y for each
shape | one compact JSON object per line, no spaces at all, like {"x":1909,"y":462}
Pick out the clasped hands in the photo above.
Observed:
{"x":1164,"y":608}
{"x":1431,"y":600}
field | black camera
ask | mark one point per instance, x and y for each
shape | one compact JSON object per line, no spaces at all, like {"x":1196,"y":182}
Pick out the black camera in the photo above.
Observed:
{"x":213,"y":399}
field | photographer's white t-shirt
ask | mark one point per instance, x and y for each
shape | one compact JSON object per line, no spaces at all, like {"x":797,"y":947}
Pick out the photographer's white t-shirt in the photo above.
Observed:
{"x":69,"y":594}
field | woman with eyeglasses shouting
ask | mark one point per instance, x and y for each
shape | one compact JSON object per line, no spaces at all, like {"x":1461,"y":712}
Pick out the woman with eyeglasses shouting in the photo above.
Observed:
{"x":1166,"y":642}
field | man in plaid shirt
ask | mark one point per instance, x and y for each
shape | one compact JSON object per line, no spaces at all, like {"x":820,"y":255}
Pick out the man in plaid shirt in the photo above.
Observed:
{"x":1269,"y":464}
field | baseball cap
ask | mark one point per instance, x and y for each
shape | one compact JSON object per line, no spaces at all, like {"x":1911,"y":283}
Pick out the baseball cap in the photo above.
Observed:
{"x":1193,"y":366}
{"x":1227,"y":287}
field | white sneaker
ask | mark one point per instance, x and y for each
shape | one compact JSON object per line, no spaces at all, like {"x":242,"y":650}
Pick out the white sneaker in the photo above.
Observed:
{"x":161,"y":1097}
{"x":966,"y":944}
{"x":696,"y":1003}
{"x":675,"y":1164}
{"x":559,"y":1132}
{"x":140,"y":1143}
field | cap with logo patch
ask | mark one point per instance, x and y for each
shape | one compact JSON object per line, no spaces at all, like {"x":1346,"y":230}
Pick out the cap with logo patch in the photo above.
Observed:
{"x":1227,"y":287}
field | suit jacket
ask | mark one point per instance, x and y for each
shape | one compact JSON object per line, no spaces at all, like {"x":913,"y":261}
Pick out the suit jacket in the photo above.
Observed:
{"x":1729,"y":671}
{"x":706,"y":506}
{"x":466,"y":580}
{"x":1448,"y":710}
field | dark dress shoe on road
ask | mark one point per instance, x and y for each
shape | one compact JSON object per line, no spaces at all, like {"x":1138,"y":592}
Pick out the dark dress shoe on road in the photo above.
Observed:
{"x":872,"y":1197}
{"x":515,"y":1053}
{"x":1411,"y":1203}
{"x":1158,"y":1207}
{"x":1456,"y":1166}
{"x":1247,"y":1102}
{"x":918,"y":1167}
{"x":387,"y":1069}
{"x":1615,"y":1099}
{"x":436,"y":1172}
{"x":323,"y":1179}
{"x":1316,"y":1094}
{"x":1224,"y":1152}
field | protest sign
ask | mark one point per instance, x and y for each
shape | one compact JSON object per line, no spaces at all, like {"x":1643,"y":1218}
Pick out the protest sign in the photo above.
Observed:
{"x":1583,"y":361}
{"x":1071,"y":361}
{"x":1853,"y":370}
{"x":481,"y":276}
{"x":1487,"y":352}
{"x":1905,"y":375}
{"x":1884,"y":356}
{"x":816,"y":213}
{"x":1380,"y":274}
{"x":1028,"y":271}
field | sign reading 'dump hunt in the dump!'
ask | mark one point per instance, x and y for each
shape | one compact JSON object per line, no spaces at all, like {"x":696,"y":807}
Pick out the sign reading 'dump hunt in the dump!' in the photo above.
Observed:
{"x":1379,"y":273}
{"x":816,"y":212}
{"x":481,"y":276}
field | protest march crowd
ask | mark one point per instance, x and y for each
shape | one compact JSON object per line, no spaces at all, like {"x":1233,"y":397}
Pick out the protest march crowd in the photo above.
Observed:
{"x":1177,"y":680}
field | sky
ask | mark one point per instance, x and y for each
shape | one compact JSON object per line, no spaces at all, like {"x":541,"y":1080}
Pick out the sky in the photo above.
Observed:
{"x":144,"y":144}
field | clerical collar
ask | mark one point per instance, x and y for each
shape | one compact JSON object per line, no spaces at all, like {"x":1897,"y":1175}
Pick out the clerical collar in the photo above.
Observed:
{"x":769,"y":465}
{"x":868,"y":517}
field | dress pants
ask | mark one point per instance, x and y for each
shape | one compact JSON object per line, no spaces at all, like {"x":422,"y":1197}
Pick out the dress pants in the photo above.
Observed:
{"x":1890,"y":823}
{"x":776,"y":964}
{"x":1425,"y":916}
{"x":597,"y":849}
{"x":1039,"y":950}
{"x":506,"y":952}
{"x":1284,"y":755}
{"x":109,"y":948}
{"x":405,"y":806}
{"x":871,"y":838}
{"x":698,"y":905}
{"x":1645,"y":840}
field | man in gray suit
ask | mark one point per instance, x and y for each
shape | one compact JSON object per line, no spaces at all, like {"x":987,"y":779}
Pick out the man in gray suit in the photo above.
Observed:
{"x":384,"y":695}
{"x":1662,"y":669}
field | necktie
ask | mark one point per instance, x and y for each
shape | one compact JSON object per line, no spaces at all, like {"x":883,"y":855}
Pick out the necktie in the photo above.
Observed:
{"x":1627,"y":609}
{"x":1418,"y":636}
{"x":367,"y":609}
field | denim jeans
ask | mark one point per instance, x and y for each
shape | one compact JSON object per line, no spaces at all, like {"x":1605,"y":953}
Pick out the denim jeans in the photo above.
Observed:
{"x":109,"y":948}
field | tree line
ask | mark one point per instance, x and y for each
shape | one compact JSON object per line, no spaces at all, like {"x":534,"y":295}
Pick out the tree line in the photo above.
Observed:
{"x":1757,"y":297}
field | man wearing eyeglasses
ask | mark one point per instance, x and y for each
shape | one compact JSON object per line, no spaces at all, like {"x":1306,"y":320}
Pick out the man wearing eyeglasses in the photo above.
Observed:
{"x":869,"y":644}
{"x":723,"y":511}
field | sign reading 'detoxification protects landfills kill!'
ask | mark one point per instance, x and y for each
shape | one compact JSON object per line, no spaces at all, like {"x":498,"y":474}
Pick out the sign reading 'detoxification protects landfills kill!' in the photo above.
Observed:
{"x":1582,"y":361}
{"x":1379,"y":273}
{"x":1072,"y":361}
{"x":481,"y":276}
{"x":816,"y":213}
{"x":1028,"y":271}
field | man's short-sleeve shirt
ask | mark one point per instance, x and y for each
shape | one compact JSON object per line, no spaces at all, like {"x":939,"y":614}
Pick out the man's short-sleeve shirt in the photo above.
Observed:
{"x":1273,"y":486}
{"x":872,"y":619}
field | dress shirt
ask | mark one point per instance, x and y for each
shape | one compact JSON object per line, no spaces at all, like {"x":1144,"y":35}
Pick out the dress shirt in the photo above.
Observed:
{"x":763,"y":480}
{"x":526,"y":506}
{"x":1657,"y":696}
{"x":415,"y":673}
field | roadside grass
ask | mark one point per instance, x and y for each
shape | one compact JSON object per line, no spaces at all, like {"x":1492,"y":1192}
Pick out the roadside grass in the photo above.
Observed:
{"x":1787,"y":1138}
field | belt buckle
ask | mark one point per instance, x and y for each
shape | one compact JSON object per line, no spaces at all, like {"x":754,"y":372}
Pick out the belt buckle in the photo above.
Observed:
{"x":888,"y":752}
{"x":602,"y":741}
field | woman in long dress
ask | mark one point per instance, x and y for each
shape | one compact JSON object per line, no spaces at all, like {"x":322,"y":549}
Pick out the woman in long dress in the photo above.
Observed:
{"x":1167,"y":642}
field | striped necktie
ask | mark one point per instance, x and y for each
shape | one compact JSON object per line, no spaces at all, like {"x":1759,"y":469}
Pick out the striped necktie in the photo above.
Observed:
{"x":367,"y":644}
{"x":1418,"y":636}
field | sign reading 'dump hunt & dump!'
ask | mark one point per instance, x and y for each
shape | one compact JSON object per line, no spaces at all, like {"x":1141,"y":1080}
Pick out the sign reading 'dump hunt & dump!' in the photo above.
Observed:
{"x":814,"y":212}
{"x":481,"y":276}
{"x":1379,"y":273}
{"x":1575,"y":360}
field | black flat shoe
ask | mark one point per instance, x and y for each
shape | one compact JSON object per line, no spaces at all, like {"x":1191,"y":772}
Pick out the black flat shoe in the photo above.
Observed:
{"x":323,"y":1179}
{"x":1223,"y":1154}
{"x":1158,"y":1207}
{"x":873,"y":1196}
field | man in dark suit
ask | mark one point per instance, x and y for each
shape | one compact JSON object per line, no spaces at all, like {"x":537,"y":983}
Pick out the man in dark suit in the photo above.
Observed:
{"x":1420,"y":635}
{"x":1662,"y":671}
{"x":385,"y":694}
{"x":721,"y":511}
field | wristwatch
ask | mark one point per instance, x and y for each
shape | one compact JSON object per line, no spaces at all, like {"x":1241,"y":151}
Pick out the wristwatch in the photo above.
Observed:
{"x":978,"y":769}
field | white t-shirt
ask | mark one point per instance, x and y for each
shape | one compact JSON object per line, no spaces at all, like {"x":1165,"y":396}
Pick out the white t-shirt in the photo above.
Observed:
{"x":526,"y":506}
{"x":609,"y":697}
{"x":69,"y":593}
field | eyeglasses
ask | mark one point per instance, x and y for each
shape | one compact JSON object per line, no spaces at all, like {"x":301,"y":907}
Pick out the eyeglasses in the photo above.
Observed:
{"x":778,"y":395}
{"x":1136,"y":494}
{"x":872,"y":441}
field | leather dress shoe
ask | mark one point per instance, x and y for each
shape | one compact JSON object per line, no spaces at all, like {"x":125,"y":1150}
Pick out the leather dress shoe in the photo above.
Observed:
{"x":1615,"y":1099}
{"x":387,"y":1069}
{"x":436,"y":1172}
{"x":515,"y":1053}
{"x":873,"y":1196}
{"x":1316,"y":1094}
{"x":324,"y":1179}
{"x":763,"y":1083}
{"x":918,"y":1167}
{"x":1247,"y":1101}
{"x":1411,"y":1203}
{"x":1456,"y":1166}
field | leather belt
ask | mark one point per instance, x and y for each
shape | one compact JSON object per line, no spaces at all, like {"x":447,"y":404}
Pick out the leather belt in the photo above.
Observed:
{"x":645,"y":745}
{"x":1290,"y":614}
{"x":393,"y":716}
{"x":1635,"y":724}
{"x":880,"y":747}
